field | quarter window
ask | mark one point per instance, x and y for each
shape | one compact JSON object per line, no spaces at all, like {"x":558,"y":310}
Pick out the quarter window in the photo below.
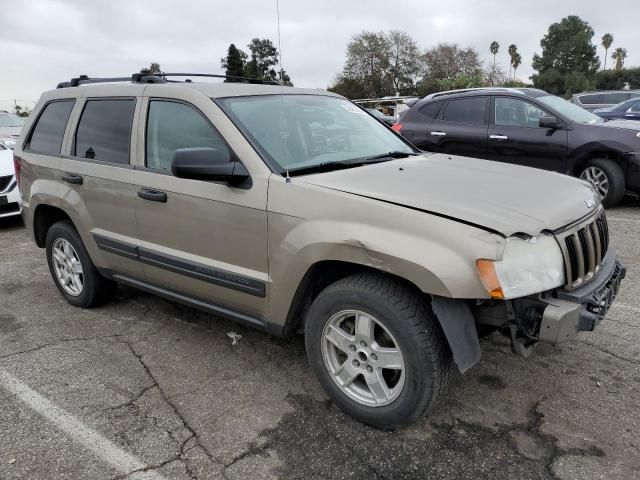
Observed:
{"x":467,"y":110}
{"x":512,"y":112}
{"x":48,"y":133}
{"x":172,"y":126}
{"x":104,"y":130}
{"x":431,"y":109}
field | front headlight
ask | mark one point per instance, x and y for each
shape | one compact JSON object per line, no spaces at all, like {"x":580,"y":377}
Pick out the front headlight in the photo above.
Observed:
{"x":527,"y":267}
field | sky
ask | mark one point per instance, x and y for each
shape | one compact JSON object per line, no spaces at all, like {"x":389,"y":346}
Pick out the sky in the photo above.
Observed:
{"x":43,"y":42}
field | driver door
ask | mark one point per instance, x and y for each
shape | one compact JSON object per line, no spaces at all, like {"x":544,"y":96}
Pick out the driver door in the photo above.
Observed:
{"x":203,"y":240}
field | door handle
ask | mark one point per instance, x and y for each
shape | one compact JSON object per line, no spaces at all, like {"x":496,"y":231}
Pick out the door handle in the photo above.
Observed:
{"x":498,"y":137}
{"x":72,"y":178}
{"x":152,"y":195}
{"x":438,"y":134}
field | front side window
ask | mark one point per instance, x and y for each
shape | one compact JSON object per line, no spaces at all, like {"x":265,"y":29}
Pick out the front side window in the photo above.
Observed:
{"x":635,"y":108}
{"x":104,"y":130}
{"x":306,"y":131}
{"x":467,"y":110}
{"x":513,"y":112}
{"x":568,"y":109}
{"x":615,"y":98}
{"x":172,"y":126}
{"x":47,"y":135}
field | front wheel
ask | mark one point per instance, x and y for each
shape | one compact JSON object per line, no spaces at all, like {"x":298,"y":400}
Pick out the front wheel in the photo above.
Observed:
{"x":607,"y":178}
{"x":377,"y":349}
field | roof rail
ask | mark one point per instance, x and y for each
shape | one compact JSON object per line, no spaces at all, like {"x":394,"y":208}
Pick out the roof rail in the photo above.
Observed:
{"x":476,"y":89}
{"x":146,"y":77}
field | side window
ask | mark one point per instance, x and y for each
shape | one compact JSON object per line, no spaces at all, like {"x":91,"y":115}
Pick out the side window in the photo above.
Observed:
{"x":513,"y":112}
{"x":431,"y":109}
{"x":614,"y":98}
{"x":593,"y":99}
{"x":635,"y":108}
{"x":174,"y":125}
{"x":467,"y":110}
{"x":104,"y":130}
{"x":48,"y":132}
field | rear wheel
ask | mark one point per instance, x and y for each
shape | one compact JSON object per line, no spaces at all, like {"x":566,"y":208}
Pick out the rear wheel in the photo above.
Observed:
{"x":72,"y":270}
{"x":607,"y":178}
{"x":377,"y":349}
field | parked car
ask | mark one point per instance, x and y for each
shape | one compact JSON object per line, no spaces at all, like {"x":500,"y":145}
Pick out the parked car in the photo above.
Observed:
{"x":388,"y":119}
{"x":603,"y":99}
{"x":627,"y":110}
{"x":529,"y":127}
{"x":385,"y":258}
{"x":10,"y":126}
{"x":9,"y":196}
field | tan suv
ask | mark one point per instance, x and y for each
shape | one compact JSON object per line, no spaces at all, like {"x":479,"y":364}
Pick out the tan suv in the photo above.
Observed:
{"x":293,"y":210}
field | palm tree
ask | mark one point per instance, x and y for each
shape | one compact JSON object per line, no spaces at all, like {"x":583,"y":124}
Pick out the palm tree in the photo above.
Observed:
{"x":516,"y":60}
{"x":512,"y":51}
{"x":619,"y":55}
{"x":607,"y":40}
{"x":494,"y":47}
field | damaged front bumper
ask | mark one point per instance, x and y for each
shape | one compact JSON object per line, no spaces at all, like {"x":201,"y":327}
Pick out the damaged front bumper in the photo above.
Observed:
{"x":568,"y":312}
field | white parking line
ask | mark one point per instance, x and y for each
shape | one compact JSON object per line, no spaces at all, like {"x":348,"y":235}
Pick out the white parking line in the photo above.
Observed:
{"x":90,"y":439}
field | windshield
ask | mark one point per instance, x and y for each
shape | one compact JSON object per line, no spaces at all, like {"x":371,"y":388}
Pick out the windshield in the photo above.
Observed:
{"x":300,"y":131}
{"x":569,"y":110}
{"x":10,"y":120}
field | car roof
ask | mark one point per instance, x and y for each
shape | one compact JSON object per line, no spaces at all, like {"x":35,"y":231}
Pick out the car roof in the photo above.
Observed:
{"x":210,"y":89}
{"x":472,"y":92}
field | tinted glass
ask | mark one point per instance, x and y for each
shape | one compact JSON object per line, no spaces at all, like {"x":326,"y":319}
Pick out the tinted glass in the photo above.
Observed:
{"x":467,"y":110}
{"x":635,"y":108}
{"x":614,"y":97}
{"x":568,"y":109}
{"x":302,"y":131}
{"x":47,"y":135}
{"x":512,"y":112}
{"x":104,"y":130}
{"x":431,"y":109}
{"x":171,"y":126}
{"x":590,"y":99}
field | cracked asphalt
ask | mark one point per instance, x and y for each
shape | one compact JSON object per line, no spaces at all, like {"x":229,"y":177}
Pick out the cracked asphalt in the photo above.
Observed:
{"x":162,"y":385}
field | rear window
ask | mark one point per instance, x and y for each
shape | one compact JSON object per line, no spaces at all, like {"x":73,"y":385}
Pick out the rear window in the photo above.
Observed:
{"x":46,"y":136}
{"x":467,"y":110}
{"x":104,"y":130}
{"x":431,"y":109}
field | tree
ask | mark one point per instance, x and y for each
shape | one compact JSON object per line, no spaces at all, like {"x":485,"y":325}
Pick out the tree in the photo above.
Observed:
{"x":516,"y":60}
{"x":153,"y":69}
{"x":448,"y":61}
{"x":404,"y":61}
{"x":513,"y":49}
{"x":234,"y":63}
{"x":264,"y":56}
{"x":368,"y":55}
{"x":607,"y":40}
{"x":494,"y":75}
{"x":619,"y":55}
{"x":566,"y":49}
{"x":494,"y":48}
{"x":21,"y":111}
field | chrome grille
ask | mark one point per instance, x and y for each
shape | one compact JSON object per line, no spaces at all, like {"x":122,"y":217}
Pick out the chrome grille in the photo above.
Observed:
{"x":583,"y":248}
{"x":5,"y":182}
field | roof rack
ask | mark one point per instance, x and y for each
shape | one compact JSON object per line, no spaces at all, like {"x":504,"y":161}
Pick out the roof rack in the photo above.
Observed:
{"x":146,"y":77}
{"x":476,"y":89}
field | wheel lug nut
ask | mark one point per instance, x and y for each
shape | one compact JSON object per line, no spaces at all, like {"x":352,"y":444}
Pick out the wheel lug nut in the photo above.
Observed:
{"x":363,"y":343}
{"x":352,"y":348}
{"x":369,"y":369}
{"x":356,"y":363}
{"x":374,"y":356}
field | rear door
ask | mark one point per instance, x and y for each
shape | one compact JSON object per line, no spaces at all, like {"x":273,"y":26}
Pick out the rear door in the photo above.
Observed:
{"x":460,"y":128}
{"x":202,"y":239}
{"x":416,"y":123}
{"x":515,"y":137}
{"x":97,"y":180}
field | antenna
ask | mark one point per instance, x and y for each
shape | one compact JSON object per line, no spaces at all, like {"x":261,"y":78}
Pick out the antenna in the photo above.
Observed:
{"x":279,"y":40}
{"x":287,"y":177}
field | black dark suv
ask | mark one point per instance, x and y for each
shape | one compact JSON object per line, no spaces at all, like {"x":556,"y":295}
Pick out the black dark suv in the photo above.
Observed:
{"x":529,"y":127}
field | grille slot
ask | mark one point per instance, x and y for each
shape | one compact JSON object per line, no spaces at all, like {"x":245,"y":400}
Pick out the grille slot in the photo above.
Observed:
{"x":5,"y":182}
{"x":583,"y":248}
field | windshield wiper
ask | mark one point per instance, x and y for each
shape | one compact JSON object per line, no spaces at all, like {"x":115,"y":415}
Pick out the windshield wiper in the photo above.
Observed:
{"x":394,"y":154}
{"x":342,"y":164}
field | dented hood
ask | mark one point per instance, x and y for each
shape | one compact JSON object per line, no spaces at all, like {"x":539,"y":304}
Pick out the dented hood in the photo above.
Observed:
{"x":496,"y":196}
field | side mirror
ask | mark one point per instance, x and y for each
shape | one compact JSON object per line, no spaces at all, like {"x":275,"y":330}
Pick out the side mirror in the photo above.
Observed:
{"x":549,"y":122}
{"x":209,"y":164}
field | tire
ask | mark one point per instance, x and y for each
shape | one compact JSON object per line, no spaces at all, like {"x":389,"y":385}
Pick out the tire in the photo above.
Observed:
{"x":95,"y":289}
{"x":614,"y":176}
{"x":404,"y":319}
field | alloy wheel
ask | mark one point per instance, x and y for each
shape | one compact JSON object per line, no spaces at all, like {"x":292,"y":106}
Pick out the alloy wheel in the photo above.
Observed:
{"x":597,"y":178}
{"x":363,"y":358}
{"x":67,"y":266}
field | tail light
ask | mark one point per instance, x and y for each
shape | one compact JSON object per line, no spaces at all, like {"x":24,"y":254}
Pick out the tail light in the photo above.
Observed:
{"x":397,"y":127}
{"x":16,"y":165}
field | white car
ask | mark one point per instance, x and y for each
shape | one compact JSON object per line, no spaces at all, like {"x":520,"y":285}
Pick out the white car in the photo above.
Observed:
{"x":9,"y":193}
{"x":10,"y":126}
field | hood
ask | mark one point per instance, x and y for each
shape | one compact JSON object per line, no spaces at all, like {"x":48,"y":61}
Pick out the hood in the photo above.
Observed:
{"x":500,"y":197}
{"x":633,"y":125}
{"x":6,"y":163}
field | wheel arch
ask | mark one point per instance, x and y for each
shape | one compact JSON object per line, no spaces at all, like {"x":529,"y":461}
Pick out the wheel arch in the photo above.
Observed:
{"x":44,"y":217}
{"x":598,"y":153}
